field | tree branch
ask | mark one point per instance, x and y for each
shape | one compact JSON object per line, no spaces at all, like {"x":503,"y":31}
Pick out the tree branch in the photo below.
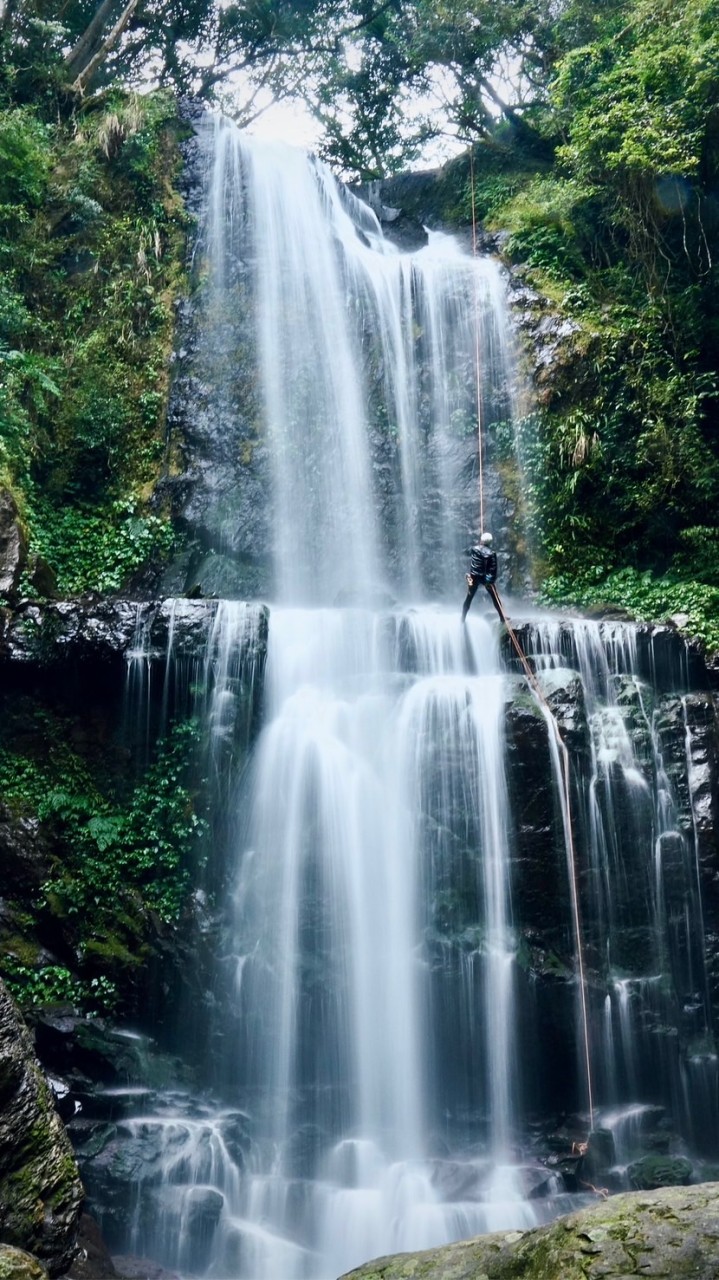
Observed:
{"x":91,"y":38}
{"x":85,"y":76}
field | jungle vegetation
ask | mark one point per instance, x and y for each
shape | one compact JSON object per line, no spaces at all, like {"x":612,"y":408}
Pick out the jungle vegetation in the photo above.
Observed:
{"x":594,"y":134}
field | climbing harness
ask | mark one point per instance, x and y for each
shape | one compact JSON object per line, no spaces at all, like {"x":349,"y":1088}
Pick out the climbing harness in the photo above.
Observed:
{"x":563,"y":762}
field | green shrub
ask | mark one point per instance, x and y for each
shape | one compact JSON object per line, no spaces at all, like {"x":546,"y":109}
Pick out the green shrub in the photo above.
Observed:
{"x":54,"y":984}
{"x":91,"y":257}
{"x":93,"y":551}
{"x":25,"y":158}
{"x":645,"y":596}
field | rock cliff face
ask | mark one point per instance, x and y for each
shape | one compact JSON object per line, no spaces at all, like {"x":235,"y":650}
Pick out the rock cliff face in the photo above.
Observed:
{"x":40,"y":1189}
{"x":110,"y":632}
{"x":670,"y":1233}
{"x":219,"y":485}
{"x":13,"y":545}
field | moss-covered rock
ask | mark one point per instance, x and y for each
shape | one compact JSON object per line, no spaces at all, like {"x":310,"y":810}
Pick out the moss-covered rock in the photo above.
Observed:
{"x":652,"y":1172}
{"x":15,"y":1264}
{"x":40,"y":1188}
{"x":673,"y":1233}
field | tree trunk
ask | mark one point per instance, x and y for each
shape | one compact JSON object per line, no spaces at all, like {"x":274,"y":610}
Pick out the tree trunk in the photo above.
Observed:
{"x":91,"y":39}
{"x":7,"y":14}
{"x":85,"y":76}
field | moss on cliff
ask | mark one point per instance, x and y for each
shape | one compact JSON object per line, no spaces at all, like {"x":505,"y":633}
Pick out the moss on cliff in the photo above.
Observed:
{"x":15,"y":1264}
{"x":102,"y":862}
{"x":91,"y":262}
{"x":40,"y":1189}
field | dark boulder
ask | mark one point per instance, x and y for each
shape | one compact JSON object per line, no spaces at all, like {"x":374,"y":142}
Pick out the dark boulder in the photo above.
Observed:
{"x":598,"y":1157}
{"x":24,"y":854}
{"x":652,"y":1172}
{"x":92,"y":1260}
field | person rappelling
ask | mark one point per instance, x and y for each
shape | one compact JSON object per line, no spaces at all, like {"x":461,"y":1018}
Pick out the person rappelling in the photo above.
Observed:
{"x":482,"y":570}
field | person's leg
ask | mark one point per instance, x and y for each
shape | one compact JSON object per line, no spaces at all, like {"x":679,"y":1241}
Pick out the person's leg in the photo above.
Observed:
{"x":492,"y":593}
{"x":472,"y":584}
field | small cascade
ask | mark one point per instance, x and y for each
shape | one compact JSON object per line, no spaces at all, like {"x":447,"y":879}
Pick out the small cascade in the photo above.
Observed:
{"x":194,"y":658}
{"x":642,"y":902}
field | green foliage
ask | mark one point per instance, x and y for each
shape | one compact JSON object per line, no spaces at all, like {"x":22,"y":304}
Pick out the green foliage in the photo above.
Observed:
{"x":98,"y":552}
{"x":54,"y":984}
{"x":25,"y":158}
{"x":91,"y":246}
{"x":127,"y":851}
{"x":147,"y":844}
{"x":620,"y":457}
{"x":645,"y":596}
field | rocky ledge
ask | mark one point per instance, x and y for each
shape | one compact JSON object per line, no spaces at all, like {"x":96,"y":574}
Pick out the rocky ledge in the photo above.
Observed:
{"x":672,"y":1233}
{"x":41,"y":634}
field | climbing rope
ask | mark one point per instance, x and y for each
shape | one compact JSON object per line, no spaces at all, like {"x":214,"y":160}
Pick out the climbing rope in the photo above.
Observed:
{"x":477,"y":359}
{"x":566,"y":782}
{"x":563,"y":753}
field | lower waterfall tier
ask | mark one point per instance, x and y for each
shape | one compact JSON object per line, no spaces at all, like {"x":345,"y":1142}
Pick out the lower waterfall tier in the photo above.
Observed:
{"x":390,"y":1055}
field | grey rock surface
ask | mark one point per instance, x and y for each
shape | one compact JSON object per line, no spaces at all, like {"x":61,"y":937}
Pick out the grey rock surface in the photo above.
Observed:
{"x":672,"y":1234}
{"x":40,"y":1189}
{"x":13,"y":545}
{"x":107,"y":630}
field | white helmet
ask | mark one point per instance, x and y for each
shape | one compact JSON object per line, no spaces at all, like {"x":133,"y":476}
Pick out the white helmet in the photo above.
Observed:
{"x":485,"y":539}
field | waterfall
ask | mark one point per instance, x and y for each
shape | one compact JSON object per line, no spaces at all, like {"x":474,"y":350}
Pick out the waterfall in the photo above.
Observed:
{"x":344,"y":854}
{"x":366,"y":360}
{"x":398,"y":995}
{"x":352,"y":806}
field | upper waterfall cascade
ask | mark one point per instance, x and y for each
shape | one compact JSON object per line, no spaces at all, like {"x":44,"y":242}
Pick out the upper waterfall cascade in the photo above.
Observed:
{"x":404,"y":1015}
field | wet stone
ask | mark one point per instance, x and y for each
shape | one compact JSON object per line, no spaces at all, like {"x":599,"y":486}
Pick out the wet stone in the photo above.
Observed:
{"x":670,"y":1233}
{"x":659,"y":1171}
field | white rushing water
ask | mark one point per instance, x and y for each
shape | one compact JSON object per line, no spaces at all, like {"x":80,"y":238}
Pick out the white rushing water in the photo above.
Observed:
{"x":336,"y":984}
{"x":367,"y":362}
{"x":383,"y":747}
{"x":390,"y":1036}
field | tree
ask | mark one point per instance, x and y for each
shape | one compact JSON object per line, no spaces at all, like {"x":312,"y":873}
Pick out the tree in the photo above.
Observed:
{"x":242,"y":55}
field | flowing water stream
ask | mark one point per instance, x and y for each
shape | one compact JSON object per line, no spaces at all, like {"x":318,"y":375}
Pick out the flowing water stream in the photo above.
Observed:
{"x":389,"y":1054}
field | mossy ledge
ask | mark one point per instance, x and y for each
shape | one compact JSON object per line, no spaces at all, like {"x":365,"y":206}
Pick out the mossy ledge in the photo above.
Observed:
{"x":673,"y":1233}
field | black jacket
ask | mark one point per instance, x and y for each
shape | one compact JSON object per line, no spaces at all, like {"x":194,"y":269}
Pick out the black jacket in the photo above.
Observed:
{"x":483,"y":564}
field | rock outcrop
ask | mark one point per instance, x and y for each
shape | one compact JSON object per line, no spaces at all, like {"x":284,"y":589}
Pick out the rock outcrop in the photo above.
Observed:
{"x":105,"y":631}
{"x":672,"y":1233}
{"x":15,"y":1264}
{"x":13,"y":545}
{"x":40,"y":1189}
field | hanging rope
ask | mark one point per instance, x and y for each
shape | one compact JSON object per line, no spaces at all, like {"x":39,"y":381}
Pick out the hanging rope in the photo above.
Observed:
{"x":565,"y":769}
{"x":566,"y":784}
{"x":477,"y":362}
